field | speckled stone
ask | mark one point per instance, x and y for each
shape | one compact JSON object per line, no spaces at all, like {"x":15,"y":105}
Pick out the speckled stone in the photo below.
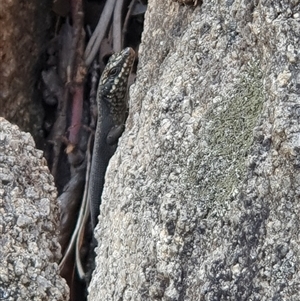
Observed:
{"x":29,"y":217}
{"x":201,"y":200}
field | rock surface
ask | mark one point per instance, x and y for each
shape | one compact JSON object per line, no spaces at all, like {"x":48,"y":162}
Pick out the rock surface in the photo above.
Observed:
{"x":28,"y":221}
{"x":23,"y":37}
{"x":202,"y":196}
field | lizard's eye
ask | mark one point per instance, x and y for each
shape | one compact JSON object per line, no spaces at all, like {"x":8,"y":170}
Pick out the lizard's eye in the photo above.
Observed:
{"x":113,"y":71}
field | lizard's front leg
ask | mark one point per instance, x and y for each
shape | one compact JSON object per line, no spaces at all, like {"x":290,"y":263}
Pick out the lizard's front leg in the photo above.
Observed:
{"x":114,"y":134}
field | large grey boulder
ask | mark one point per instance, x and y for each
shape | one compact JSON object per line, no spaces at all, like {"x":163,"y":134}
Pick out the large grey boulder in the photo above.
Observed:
{"x":201,"y":200}
{"x":29,"y":249}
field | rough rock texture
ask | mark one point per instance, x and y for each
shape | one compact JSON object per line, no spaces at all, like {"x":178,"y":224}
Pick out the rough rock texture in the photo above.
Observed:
{"x":23,"y":30}
{"x":202,"y":196}
{"x":28,"y":222}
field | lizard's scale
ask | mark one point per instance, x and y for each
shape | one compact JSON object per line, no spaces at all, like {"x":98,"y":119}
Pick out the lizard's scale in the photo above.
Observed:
{"x":112,"y":107}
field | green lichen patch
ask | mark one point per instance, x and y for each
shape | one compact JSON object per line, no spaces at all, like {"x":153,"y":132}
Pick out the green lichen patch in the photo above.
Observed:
{"x":228,"y":133}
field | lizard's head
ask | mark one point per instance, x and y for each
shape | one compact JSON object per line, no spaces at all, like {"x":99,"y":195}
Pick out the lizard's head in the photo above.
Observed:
{"x":114,"y":79}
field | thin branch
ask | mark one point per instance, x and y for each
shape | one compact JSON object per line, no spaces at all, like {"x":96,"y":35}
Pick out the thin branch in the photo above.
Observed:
{"x":84,"y":214}
{"x":117,"y":26}
{"x":98,"y":34}
{"x":129,"y":12}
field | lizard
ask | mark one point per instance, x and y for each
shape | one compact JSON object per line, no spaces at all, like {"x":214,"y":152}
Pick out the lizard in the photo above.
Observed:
{"x":112,"y":110}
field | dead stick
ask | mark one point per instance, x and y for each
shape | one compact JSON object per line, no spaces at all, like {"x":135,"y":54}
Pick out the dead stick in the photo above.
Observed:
{"x":98,"y":35}
{"x":117,"y":26}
